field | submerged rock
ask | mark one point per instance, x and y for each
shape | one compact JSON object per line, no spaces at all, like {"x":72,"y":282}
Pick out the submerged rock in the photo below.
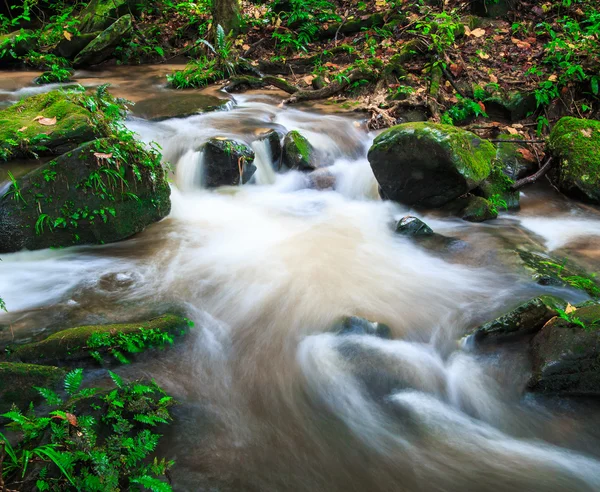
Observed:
{"x":102,"y":47}
{"x":49,"y":123}
{"x":78,"y":344}
{"x":479,"y":209}
{"x":321,"y":179}
{"x":413,"y":226}
{"x":177,"y":105}
{"x":298,"y":153}
{"x":353,"y":325}
{"x":525,"y":319}
{"x":566,"y":355}
{"x":86,"y":196}
{"x":226,"y":162}
{"x":428,"y":164}
{"x":575,"y":145}
{"x":17,"y":381}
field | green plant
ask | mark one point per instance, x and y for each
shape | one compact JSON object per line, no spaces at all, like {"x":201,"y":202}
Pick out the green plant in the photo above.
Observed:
{"x":497,"y":202}
{"x":462,"y":111}
{"x":15,"y":189}
{"x":570,"y":318}
{"x":95,"y":440}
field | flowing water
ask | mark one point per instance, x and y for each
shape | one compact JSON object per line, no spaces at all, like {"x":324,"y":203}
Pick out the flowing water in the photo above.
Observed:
{"x":270,"y":399}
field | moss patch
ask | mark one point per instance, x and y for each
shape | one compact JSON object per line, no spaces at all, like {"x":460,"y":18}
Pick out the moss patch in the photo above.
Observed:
{"x":17,"y":381}
{"x":298,"y":153}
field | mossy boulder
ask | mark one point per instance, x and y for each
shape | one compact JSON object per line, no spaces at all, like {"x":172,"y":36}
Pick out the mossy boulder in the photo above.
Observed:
{"x":512,"y":162}
{"x":575,"y":145}
{"x":86,"y":196}
{"x":429,"y":164}
{"x":566,"y":356}
{"x":100,"y":14}
{"x":76,"y":344}
{"x":70,"y":48}
{"x":16,"y":44}
{"x":479,"y":209}
{"x":413,"y":226}
{"x":226,"y":162}
{"x":512,"y":105}
{"x":497,"y":188}
{"x":103,"y":46}
{"x":298,"y":153}
{"x":22,"y":133}
{"x":17,"y":381}
{"x":525,"y":319}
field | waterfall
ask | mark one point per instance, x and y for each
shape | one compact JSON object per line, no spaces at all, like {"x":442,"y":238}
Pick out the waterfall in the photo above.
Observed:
{"x":188,"y":175}
{"x":265,"y":174}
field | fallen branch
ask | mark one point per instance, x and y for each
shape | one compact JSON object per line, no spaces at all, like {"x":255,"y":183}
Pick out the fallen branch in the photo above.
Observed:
{"x":330,"y":90}
{"x":517,"y":185}
{"x":282,"y":84}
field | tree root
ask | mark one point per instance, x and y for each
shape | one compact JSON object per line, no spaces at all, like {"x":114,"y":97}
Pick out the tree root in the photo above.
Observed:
{"x":335,"y":87}
{"x":282,"y":84}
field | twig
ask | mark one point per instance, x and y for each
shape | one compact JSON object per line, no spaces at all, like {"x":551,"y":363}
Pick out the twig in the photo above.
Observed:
{"x":448,"y":75}
{"x":534,"y":177}
{"x":338,"y":30}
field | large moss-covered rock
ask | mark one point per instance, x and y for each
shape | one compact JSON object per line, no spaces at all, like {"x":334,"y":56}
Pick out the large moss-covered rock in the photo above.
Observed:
{"x":103,"y":46}
{"x":76,"y":344}
{"x":23,"y":133}
{"x":70,"y":48}
{"x":87,"y":196}
{"x":99,"y":14}
{"x":298,"y":153}
{"x":226,"y":162}
{"x":575,"y":144}
{"x":428,"y":164}
{"x":566,"y":356}
{"x":525,"y":319}
{"x":17,"y":383}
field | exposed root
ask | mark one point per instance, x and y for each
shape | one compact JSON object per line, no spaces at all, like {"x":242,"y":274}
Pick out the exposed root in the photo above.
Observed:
{"x":332,"y":89}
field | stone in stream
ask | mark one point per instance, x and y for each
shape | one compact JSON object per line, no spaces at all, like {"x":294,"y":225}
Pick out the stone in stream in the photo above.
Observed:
{"x":575,"y":146}
{"x":298,"y":153}
{"x":17,"y":381}
{"x":413,"y":226}
{"x":497,"y":188}
{"x":66,"y":124}
{"x":479,"y":209}
{"x":429,"y":164}
{"x":566,"y":356}
{"x":525,"y":319}
{"x":87,"y":196}
{"x":78,"y":344}
{"x":177,"y":105}
{"x":353,"y":325}
{"x":321,"y":179}
{"x":103,"y":46}
{"x":226,"y":161}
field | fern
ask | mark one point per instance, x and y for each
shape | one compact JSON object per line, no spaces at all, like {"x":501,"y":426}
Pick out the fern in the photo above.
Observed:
{"x":73,"y":381}
{"x":50,"y":396}
{"x":153,"y":484}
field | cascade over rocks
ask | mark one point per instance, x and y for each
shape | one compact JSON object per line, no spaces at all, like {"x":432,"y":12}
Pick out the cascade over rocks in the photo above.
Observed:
{"x":226,"y":161}
{"x":84,"y":197}
{"x":275,"y":147}
{"x":102,"y":47}
{"x":575,"y":145}
{"x":298,"y":153}
{"x":429,"y":164}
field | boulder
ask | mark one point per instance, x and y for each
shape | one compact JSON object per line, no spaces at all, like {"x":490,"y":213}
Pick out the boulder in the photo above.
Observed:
{"x":99,"y":14}
{"x":575,"y":146}
{"x":275,"y":147}
{"x":497,"y":188}
{"x":17,"y":383}
{"x":80,"y":343}
{"x":353,"y":325}
{"x":566,"y":355}
{"x":525,"y":319}
{"x":479,"y":209}
{"x":86,"y":196}
{"x":412,"y":226}
{"x":511,"y":161}
{"x":225,"y":162}
{"x":103,"y":46}
{"x":428,"y":164}
{"x":177,"y":105}
{"x":298,"y":153}
{"x":70,"y":48}
{"x":65,"y":125}
{"x":321,"y":179}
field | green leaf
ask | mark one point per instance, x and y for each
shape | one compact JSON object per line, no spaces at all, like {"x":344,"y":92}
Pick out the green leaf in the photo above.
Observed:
{"x":116,"y":379}
{"x":50,"y":396}
{"x":73,"y":381}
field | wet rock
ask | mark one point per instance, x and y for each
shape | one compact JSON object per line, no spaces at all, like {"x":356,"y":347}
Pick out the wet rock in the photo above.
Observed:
{"x":177,"y":105}
{"x":479,"y":209}
{"x":575,"y":146}
{"x":103,"y":46}
{"x":497,"y":189}
{"x":275,"y":147}
{"x":524,"y":320}
{"x":353,"y":325}
{"x":298,"y":153}
{"x":566,"y":356}
{"x":69,"y":49}
{"x":22,"y":134}
{"x":100,"y":14}
{"x":226,"y":161}
{"x":77,"y":344}
{"x":413,"y":226}
{"x":511,"y":161}
{"x":83,"y":198}
{"x":321,"y":179}
{"x":428,"y":164}
{"x":411,"y":116}
{"x":17,"y":381}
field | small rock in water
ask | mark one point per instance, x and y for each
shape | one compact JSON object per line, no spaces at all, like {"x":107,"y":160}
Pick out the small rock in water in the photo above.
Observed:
{"x":479,"y":209}
{"x":321,"y":179}
{"x":226,"y":161}
{"x":353,"y":325}
{"x":413,"y":226}
{"x":298,"y":153}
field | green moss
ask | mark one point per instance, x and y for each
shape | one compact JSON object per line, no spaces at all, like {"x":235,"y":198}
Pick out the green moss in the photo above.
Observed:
{"x":497,"y":186}
{"x":102,"y":47}
{"x":301,"y":144}
{"x":575,"y":143}
{"x":17,"y":381}
{"x":479,"y":209}
{"x":72,"y":344}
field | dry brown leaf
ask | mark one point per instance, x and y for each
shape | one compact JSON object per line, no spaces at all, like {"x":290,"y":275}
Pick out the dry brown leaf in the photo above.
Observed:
{"x":527,"y":155}
{"x":552,"y":77}
{"x":587,"y":132}
{"x":67,"y":35}
{"x":245,"y":47}
{"x":483,"y":56}
{"x":45,"y":121}
{"x":497,"y":37}
{"x":511,"y":130}
{"x":520,"y":44}
{"x":478,"y":32}
{"x":467,"y":31}
{"x":493,"y":78}
{"x":22,"y":129}
{"x":517,"y":125}
{"x":570,"y":308}
{"x":308,"y":79}
{"x":101,"y":155}
{"x":482,"y":106}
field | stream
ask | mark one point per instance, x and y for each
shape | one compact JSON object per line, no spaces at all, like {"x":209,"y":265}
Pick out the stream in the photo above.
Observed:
{"x":271,"y":399}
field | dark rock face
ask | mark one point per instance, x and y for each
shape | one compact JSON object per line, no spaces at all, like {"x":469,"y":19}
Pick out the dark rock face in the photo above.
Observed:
{"x":566,"y":357}
{"x":298,"y":153}
{"x":70,"y":49}
{"x":575,"y":145}
{"x":353,"y":325}
{"x":102,"y":47}
{"x":492,"y":8}
{"x":412,"y":226}
{"x":524,"y":320}
{"x":83,"y":198}
{"x":275,"y":147}
{"x":428,"y":164}
{"x":226,"y":162}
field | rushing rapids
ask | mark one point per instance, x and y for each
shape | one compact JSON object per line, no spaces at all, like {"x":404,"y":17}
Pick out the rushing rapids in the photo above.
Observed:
{"x":270,"y":399}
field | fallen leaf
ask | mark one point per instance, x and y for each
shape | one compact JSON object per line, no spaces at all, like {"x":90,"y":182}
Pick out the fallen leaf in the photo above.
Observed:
{"x":497,"y":37}
{"x":482,"y":106}
{"x":456,"y":69}
{"x":527,"y":155}
{"x":511,"y":130}
{"x":570,"y":308}
{"x":22,"y":129}
{"x":552,"y":77}
{"x":520,"y":44}
{"x":45,"y":121}
{"x":483,"y":56}
{"x":308,"y":79}
{"x":517,"y":125}
{"x":101,"y":155}
{"x":246,"y":47}
{"x":478,"y":32}
{"x":467,"y":31}
{"x":67,"y":35}
{"x":587,"y":132}
{"x":493,"y":79}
